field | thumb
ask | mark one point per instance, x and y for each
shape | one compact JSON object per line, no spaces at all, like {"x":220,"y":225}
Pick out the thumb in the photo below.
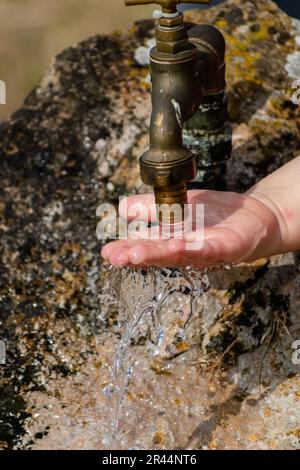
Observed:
{"x":140,"y":207}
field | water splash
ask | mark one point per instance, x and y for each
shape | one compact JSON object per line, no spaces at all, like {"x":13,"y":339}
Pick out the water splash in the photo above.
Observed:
{"x":139,"y":298}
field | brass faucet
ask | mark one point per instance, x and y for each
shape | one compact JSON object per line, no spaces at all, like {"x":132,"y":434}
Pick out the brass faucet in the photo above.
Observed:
{"x":187,"y":69}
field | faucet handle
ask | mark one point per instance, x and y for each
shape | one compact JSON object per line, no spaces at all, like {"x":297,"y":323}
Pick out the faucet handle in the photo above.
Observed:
{"x":168,"y":6}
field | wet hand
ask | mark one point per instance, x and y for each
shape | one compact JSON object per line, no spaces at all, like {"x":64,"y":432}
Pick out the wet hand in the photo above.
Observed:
{"x":237,"y":227}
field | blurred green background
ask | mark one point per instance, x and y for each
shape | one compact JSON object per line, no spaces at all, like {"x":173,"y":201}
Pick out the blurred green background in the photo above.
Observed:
{"x":33,"y":31}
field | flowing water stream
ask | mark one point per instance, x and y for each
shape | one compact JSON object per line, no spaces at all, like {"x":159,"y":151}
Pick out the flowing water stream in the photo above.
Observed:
{"x":143,"y":301}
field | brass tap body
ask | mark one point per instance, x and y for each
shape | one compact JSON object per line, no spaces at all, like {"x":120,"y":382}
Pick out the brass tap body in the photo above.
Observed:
{"x":177,"y":91}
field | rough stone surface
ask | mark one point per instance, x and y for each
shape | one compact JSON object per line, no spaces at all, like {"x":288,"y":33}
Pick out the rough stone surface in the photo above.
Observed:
{"x":75,"y":144}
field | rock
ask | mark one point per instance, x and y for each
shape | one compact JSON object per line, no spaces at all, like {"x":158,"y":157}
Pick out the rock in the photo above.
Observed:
{"x":74,"y":144}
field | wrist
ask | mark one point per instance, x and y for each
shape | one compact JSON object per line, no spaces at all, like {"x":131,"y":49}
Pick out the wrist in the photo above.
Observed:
{"x":269,"y":212}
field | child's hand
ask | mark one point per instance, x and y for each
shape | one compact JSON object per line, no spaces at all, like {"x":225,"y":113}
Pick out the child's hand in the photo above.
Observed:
{"x":237,"y":227}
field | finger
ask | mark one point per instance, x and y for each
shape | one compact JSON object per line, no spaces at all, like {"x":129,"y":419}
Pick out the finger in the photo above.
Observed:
{"x":149,"y":253}
{"x":170,"y":253}
{"x":197,"y":258}
{"x":110,"y":248}
{"x":119,"y":256}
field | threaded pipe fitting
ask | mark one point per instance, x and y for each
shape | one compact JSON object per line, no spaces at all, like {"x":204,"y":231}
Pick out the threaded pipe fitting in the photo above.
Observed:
{"x":170,"y":203}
